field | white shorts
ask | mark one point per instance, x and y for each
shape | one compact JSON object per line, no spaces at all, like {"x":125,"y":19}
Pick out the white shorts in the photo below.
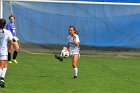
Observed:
{"x":3,"y":57}
{"x":74,"y":52}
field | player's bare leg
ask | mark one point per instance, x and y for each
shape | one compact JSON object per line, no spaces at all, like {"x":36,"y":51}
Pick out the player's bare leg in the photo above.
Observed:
{"x":16,"y":47}
{"x":2,"y":65}
{"x":61,"y":56}
{"x":74,"y":65}
{"x":4,"y":71}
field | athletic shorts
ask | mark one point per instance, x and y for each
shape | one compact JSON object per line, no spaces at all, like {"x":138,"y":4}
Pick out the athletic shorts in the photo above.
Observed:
{"x":74,"y":51}
{"x":3,"y":57}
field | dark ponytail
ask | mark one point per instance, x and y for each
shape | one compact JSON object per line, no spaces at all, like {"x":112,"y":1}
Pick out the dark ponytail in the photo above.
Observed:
{"x":2,"y":24}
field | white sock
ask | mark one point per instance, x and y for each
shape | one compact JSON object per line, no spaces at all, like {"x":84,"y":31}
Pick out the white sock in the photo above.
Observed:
{"x":0,"y":72}
{"x":75,"y":70}
{"x":62,"y":53}
{"x":4,"y":72}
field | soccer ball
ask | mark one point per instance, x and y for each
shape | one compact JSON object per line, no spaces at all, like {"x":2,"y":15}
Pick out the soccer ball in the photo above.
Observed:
{"x":65,"y":53}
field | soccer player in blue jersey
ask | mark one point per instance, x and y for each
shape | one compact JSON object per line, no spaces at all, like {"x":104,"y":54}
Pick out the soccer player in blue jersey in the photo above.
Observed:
{"x":12,"y":28}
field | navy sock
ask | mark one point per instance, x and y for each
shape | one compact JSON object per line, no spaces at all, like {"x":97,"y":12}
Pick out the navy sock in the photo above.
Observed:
{"x":15,"y":54}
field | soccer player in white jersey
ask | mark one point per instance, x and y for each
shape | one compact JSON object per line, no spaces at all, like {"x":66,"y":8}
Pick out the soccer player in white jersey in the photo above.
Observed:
{"x":72,"y":50}
{"x":6,"y":40}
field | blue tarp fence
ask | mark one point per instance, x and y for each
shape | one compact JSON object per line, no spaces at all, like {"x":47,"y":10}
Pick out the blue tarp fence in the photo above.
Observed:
{"x":125,"y":1}
{"x":99,"y":25}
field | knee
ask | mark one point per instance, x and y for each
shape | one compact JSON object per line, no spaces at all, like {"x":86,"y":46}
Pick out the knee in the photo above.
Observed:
{"x":74,"y":65}
{"x":65,"y":48}
{"x":2,"y":64}
{"x":5,"y":66}
{"x":17,"y":49}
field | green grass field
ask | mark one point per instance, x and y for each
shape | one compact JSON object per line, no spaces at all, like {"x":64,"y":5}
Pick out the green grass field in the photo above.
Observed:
{"x":97,"y":74}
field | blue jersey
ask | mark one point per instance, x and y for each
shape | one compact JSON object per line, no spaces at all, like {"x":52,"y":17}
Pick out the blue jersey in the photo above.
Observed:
{"x":12,"y":28}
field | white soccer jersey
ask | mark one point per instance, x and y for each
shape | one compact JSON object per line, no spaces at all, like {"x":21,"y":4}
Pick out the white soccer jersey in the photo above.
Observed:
{"x":4,"y":38}
{"x":72,"y":48}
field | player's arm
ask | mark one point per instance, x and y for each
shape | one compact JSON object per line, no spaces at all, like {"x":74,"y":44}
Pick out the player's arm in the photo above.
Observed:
{"x":8,"y":27}
{"x":76,"y":40}
{"x":76,"y":43}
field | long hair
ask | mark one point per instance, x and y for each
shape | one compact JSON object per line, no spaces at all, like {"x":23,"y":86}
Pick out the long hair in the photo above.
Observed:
{"x":2,"y":24}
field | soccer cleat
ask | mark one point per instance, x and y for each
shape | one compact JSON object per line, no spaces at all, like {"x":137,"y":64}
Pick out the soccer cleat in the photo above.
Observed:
{"x":14,"y":61}
{"x":74,"y":77}
{"x":10,"y":62}
{"x":59,"y":57}
{"x":2,"y":84}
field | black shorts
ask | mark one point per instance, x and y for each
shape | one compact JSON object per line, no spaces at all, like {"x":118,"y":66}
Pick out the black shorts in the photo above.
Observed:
{"x":14,"y":40}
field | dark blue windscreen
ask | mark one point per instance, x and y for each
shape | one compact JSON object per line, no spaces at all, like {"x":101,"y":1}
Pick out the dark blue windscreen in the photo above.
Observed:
{"x":99,"y":25}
